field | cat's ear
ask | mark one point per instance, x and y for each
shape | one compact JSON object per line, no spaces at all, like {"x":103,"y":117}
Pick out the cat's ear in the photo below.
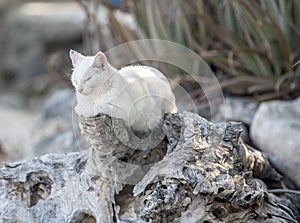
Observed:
{"x":100,"y":61}
{"x":75,"y":57}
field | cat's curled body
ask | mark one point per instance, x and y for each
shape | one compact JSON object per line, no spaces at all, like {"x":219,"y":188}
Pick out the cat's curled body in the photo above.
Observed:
{"x":140,"y":95}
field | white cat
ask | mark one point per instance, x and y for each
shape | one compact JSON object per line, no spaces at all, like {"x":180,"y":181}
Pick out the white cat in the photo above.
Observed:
{"x":140,"y":95}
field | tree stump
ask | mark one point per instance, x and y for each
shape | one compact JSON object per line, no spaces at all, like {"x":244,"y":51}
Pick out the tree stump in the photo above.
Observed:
{"x":201,"y":172}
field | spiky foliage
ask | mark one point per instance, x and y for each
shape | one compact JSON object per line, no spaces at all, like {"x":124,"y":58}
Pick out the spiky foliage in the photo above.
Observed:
{"x":252,"y":45}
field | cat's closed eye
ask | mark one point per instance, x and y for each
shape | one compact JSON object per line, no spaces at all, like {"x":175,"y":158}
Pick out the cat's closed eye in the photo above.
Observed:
{"x":87,"y":79}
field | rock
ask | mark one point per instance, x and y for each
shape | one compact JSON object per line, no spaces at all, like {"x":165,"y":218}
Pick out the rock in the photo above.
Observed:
{"x":58,"y":131}
{"x":59,"y":104}
{"x":16,"y":123}
{"x":51,"y":127}
{"x":238,"y":109}
{"x":12,"y":100}
{"x":62,"y":139}
{"x":275,"y":129}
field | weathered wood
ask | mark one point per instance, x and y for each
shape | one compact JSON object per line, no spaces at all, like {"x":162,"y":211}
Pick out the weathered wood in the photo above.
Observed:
{"x":207,"y":175}
{"x":203,"y":178}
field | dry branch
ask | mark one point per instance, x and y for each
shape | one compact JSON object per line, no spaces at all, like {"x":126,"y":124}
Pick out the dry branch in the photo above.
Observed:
{"x":206,"y":175}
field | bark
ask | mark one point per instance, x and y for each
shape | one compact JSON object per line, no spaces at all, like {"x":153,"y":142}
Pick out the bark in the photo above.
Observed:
{"x":201,"y":172}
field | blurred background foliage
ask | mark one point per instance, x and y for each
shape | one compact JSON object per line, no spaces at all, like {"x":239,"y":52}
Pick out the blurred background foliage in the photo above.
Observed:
{"x":251,"y":45}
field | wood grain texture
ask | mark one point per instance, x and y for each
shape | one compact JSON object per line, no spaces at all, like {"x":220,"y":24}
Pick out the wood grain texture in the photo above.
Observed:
{"x":201,"y":172}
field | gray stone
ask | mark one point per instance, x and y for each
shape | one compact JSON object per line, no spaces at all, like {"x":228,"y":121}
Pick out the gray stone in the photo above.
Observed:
{"x":275,"y":130}
{"x":238,"y":109}
{"x":16,"y":124}
{"x":62,"y":139}
{"x":59,"y":104}
{"x":57,"y":131}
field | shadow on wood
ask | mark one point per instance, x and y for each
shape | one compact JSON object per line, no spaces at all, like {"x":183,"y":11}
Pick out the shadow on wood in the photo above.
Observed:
{"x":201,"y":172}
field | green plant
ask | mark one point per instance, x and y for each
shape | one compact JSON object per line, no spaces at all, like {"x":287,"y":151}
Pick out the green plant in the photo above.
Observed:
{"x":252,"y":45}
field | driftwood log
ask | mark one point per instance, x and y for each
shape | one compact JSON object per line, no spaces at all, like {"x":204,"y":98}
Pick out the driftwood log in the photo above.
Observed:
{"x":201,"y":172}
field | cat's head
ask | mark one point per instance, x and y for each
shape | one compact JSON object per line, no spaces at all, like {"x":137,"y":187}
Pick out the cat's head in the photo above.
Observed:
{"x":89,"y":71}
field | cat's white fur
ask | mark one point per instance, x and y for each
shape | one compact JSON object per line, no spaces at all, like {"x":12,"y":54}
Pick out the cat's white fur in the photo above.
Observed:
{"x":140,"y":95}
